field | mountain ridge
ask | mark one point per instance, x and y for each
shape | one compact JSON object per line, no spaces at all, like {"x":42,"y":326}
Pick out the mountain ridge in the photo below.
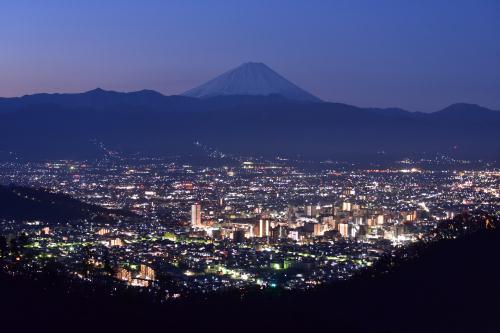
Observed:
{"x":65,"y":126}
{"x":38,"y":98}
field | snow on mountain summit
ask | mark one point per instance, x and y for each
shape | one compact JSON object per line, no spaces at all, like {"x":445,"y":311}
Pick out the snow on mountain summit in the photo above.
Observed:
{"x":251,"y":78}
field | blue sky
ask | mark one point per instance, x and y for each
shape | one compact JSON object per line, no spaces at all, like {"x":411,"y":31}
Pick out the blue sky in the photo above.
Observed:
{"x":419,"y":55}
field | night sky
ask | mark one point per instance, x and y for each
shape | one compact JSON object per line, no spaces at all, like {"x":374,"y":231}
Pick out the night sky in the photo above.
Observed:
{"x":418,"y":55}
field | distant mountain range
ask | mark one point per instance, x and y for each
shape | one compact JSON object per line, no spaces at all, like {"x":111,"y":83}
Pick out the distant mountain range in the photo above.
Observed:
{"x":279,"y":119}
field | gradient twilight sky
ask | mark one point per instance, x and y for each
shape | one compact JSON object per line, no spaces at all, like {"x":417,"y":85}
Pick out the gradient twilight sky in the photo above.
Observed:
{"x":419,"y":55}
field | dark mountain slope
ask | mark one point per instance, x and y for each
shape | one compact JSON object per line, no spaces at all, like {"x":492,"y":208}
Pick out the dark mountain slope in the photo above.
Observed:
{"x":23,"y":203}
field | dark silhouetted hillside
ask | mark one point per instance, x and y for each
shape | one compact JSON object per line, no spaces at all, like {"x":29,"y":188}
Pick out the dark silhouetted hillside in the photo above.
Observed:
{"x":23,"y":203}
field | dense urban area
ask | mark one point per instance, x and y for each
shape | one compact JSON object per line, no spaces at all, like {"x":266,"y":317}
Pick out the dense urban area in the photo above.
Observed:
{"x":176,"y":229}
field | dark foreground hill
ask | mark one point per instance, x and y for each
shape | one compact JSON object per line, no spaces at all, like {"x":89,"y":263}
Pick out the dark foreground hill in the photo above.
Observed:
{"x":451,"y":287}
{"x":23,"y":203}
{"x":69,"y":125}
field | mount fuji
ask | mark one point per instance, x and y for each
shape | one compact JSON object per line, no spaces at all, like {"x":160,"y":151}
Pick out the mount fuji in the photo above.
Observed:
{"x":251,"y":78}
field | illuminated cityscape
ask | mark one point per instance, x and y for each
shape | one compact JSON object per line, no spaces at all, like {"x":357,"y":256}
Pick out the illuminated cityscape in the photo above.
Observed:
{"x":256,"y":223}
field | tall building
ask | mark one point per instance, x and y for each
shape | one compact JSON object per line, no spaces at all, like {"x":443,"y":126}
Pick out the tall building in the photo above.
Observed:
{"x":123,"y":274}
{"x":311,"y":210}
{"x":147,"y":272}
{"x":292,"y":210}
{"x":358,"y":220}
{"x":412,"y":216}
{"x":317,"y":229}
{"x":196,"y":215}
{"x":279,"y":232}
{"x":263,"y":228}
{"x":116,"y":242}
{"x":344,"y":229}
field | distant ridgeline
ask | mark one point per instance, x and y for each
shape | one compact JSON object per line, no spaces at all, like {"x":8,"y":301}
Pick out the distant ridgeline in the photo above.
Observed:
{"x":250,"y":110}
{"x":23,"y":203}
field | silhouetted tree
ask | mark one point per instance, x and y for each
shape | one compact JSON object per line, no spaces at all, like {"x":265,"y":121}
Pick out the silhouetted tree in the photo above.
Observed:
{"x":3,"y":246}
{"x":23,"y":240}
{"x":86,"y":266}
{"x":108,"y":269}
{"x":14,"y":246}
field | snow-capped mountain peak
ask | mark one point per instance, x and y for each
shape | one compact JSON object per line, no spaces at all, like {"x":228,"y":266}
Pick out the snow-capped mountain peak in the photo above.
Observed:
{"x":251,"y":78}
